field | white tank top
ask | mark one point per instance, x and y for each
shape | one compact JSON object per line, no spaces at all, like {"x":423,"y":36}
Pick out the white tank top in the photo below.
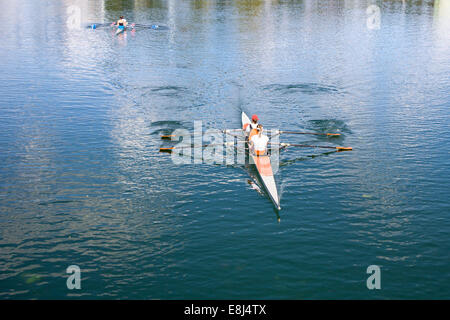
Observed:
{"x":260,"y":143}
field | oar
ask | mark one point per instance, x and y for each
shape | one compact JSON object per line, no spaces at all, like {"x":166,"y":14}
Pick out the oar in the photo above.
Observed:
{"x":284,"y":145}
{"x":194,"y":146}
{"x":153,"y":26}
{"x":228,"y":131}
{"x":169,"y":136}
{"x":99,"y":25}
{"x":314,"y":133}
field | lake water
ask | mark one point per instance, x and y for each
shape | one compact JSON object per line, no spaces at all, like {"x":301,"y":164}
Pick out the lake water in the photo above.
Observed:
{"x":82,"y":181}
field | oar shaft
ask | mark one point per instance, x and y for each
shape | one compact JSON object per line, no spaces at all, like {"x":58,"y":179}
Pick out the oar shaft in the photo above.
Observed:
{"x":313,"y":133}
{"x":170,"y":149}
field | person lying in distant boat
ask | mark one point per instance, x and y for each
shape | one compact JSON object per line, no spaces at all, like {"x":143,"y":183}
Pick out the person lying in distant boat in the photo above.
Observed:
{"x":258,"y":141}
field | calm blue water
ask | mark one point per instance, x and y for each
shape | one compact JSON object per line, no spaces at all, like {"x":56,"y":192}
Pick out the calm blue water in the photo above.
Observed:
{"x":82,"y":181}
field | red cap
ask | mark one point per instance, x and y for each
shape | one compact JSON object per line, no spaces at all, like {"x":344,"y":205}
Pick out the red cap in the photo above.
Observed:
{"x":255,"y":117}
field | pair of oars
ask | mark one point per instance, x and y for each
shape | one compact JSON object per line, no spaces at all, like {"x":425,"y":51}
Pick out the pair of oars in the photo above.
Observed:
{"x":285,"y":145}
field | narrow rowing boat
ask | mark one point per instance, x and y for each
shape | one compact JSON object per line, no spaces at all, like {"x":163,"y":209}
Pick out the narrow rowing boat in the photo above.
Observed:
{"x":264,"y":169}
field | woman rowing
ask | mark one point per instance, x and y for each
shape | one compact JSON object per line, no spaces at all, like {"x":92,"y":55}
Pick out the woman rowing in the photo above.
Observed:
{"x":258,"y":141}
{"x":121,"y":23}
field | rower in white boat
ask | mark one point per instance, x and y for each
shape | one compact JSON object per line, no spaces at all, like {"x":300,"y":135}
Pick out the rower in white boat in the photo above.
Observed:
{"x":258,"y":141}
